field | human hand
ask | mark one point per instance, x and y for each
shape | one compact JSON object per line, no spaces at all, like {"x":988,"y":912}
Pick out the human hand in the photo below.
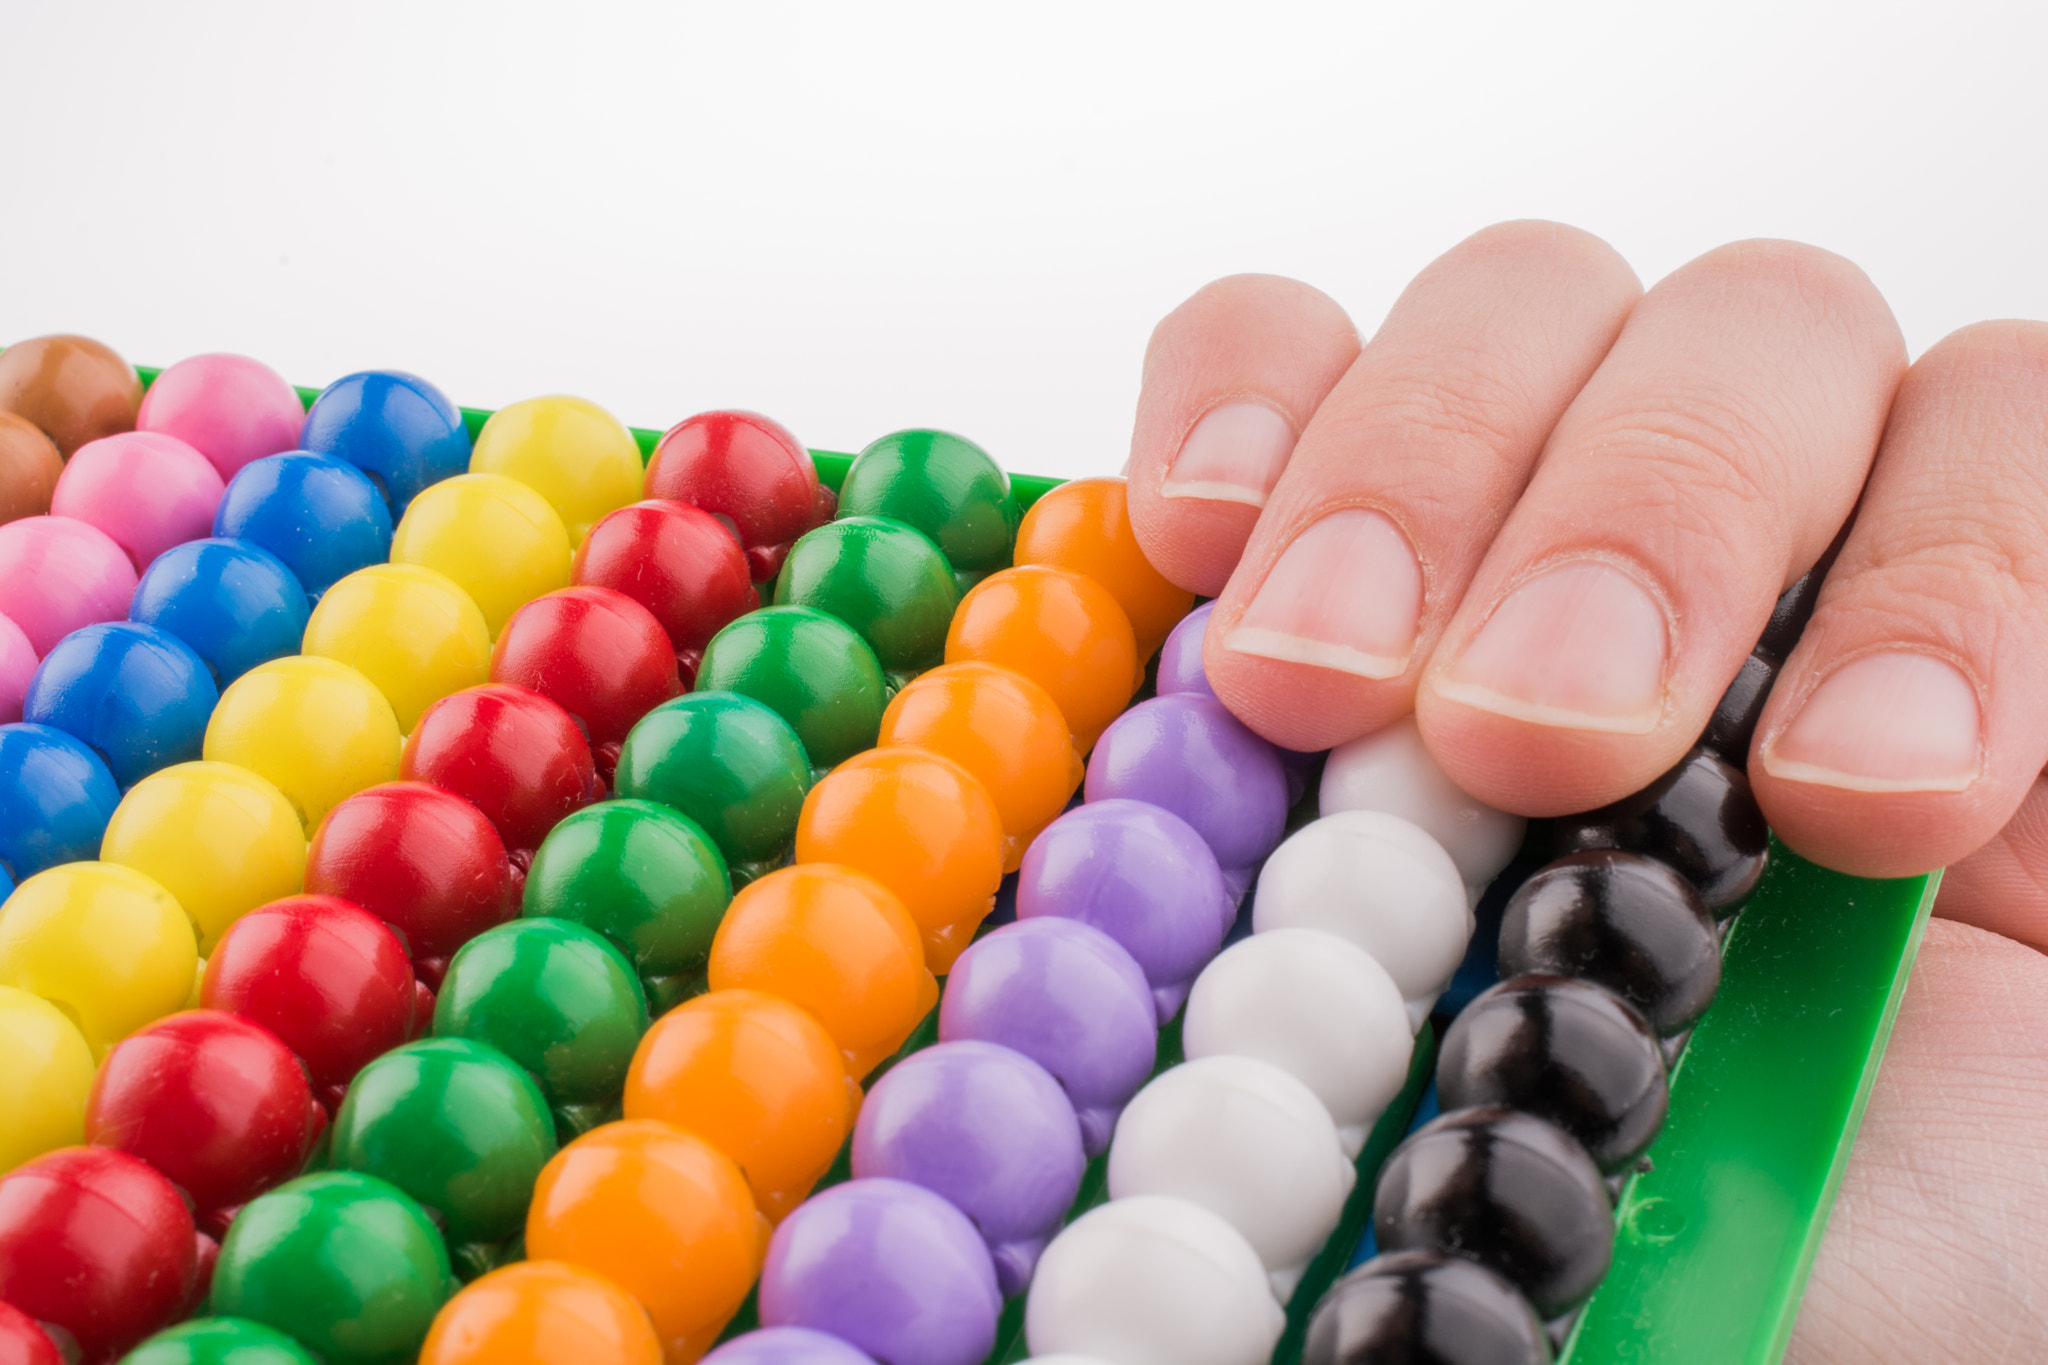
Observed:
{"x":1576,"y":504}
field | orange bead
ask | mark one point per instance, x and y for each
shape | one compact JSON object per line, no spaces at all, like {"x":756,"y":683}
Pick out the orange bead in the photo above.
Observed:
{"x":1001,"y":727}
{"x":837,"y":943}
{"x":542,"y":1313}
{"x":755,"y":1077}
{"x":661,"y":1212}
{"x":1084,"y":527}
{"x":919,"y":824}
{"x":1062,"y":631}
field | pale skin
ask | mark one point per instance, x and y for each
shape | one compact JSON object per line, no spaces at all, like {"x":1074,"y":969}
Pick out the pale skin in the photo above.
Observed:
{"x":1576,"y":501}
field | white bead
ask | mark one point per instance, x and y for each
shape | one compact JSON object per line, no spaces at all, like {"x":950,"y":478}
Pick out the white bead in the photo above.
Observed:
{"x":1153,"y":1281}
{"x":1317,"y":1006}
{"x":1390,"y":770}
{"x":1067,"y":1358}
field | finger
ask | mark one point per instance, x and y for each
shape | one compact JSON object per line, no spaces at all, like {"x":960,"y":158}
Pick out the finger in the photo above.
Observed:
{"x":1402,"y":478}
{"x":2003,"y":886}
{"x":1231,"y":378}
{"x":1907,"y":726}
{"x":1704,"y":467}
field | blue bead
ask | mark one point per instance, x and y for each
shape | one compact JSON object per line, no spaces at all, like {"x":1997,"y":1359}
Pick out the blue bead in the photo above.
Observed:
{"x":396,"y":427}
{"x":6,"y":887}
{"x":319,"y":515}
{"x":234,"y":603}
{"x":136,"y":694}
{"x":56,"y":797}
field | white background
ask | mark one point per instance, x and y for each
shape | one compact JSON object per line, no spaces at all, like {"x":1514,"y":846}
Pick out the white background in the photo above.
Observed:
{"x":859,"y":218}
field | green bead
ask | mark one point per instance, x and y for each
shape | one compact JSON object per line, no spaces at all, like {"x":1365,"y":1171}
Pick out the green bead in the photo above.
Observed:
{"x":728,"y":763}
{"x":648,"y":879}
{"x":556,"y":998}
{"x":944,"y":485}
{"x":219,"y":1341}
{"x":456,"y":1125}
{"x":884,"y":578}
{"x":812,"y":669}
{"x":347,"y":1264}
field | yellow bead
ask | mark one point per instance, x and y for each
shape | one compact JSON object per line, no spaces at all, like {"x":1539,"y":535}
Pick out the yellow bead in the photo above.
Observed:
{"x":319,"y":730}
{"x":216,"y":836}
{"x":45,"y":1074}
{"x":410,"y":629}
{"x":572,"y":452}
{"x":499,"y":540}
{"x":105,"y":944}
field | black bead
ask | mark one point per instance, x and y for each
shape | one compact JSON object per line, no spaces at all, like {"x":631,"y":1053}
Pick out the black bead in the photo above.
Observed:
{"x":1623,"y":920}
{"x":1506,"y":1190}
{"x":1794,"y":610}
{"x":1733,"y":723}
{"x":1566,"y":1051}
{"x":1417,"y":1309}
{"x":1699,"y":817}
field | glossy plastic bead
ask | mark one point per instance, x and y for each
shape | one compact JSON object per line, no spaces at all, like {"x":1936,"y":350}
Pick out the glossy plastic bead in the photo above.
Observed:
{"x":1085,"y":527}
{"x":310,"y":1256}
{"x":647,"y":878}
{"x":787,"y":1346}
{"x":74,"y":388}
{"x":664,"y":1215}
{"x":596,"y":653}
{"x":888,"y":1266}
{"x":147,"y":491}
{"x":1421,"y":1307}
{"x":1700,"y":818}
{"x":138,"y":695}
{"x":944,"y":485}
{"x":219,"y":1341}
{"x":748,"y":470}
{"x":29,"y":469}
{"x":1794,"y":608}
{"x":395,"y":427}
{"x":1001,"y":727}
{"x":678,"y":562}
{"x":837,"y":943}
{"x":1180,"y":658}
{"x":1506,"y":1190}
{"x":811,"y":669}
{"x":97,"y":1243}
{"x":229,"y":408}
{"x":46,"y":1072}
{"x":727,"y":762}
{"x":1380,"y":882}
{"x":103,"y":943}
{"x":922,"y":826}
{"x":57,"y":574}
{"x":1733,"y":724}
{"x":317,"y":729}
{"x":498,"y":539}
{"x":1317,"y":1006}
{"x":22,"y":1339}
{"x":569,"y":450}
{"x":1068,"y":997}
{"x":542,"y":1313}
{"x":1064,"y":632}
{"x":1143,"y":876}
{"x":318,"y":514}
{"x":1390,"y":770}
{"x":237,"y":605}
{"x":213,"y":1101}
{"x":513,"y":754}
{"x":883,"y":578}
{"x":407,"y":628}
{"x":56,"y":796}
{"x":1153,"y":1281}
{"x":553,"y":996}
{"x":17,"y":668}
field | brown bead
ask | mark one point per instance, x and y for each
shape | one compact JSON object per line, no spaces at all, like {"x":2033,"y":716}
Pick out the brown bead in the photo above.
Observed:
{"x":74,"y":388}
{"x":29,"y":466}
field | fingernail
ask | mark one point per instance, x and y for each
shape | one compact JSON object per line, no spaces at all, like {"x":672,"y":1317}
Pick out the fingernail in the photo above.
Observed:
{"x":1893,"y":722}
{"x":1234,"y":454}
{"x":1581,"y":647}
{"x":1347,"y":594}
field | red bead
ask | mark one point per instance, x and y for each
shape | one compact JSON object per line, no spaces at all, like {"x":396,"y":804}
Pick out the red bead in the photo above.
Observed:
{"x":22,"y":1342}
{"x":98,"y":1243}
{"x":326,"y":976}
{"x":747,"y":469}
{"x":508,"y":751}
{"x":421,"y":859}
{"x":213,"y":1101}
{"x":678,"y":562}
{"x":595,"y":652}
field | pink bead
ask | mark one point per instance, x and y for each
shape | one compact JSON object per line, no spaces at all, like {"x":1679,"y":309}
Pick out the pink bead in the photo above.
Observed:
{"x":57,"y":574}
{"x":17,"y":666}
{"x":231,"y":409}
{"x":147,"y":490}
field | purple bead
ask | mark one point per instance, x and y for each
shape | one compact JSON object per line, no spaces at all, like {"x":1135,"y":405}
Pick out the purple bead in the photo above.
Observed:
{"x":1070,"y":998}
{"x":1299,"y":767}
{"x":888,"y":1266}
{"x":989,"y":1130}
{"x":787,"y":1346}
{"x":1186,"y":754}
{"x":1180,"y":659}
